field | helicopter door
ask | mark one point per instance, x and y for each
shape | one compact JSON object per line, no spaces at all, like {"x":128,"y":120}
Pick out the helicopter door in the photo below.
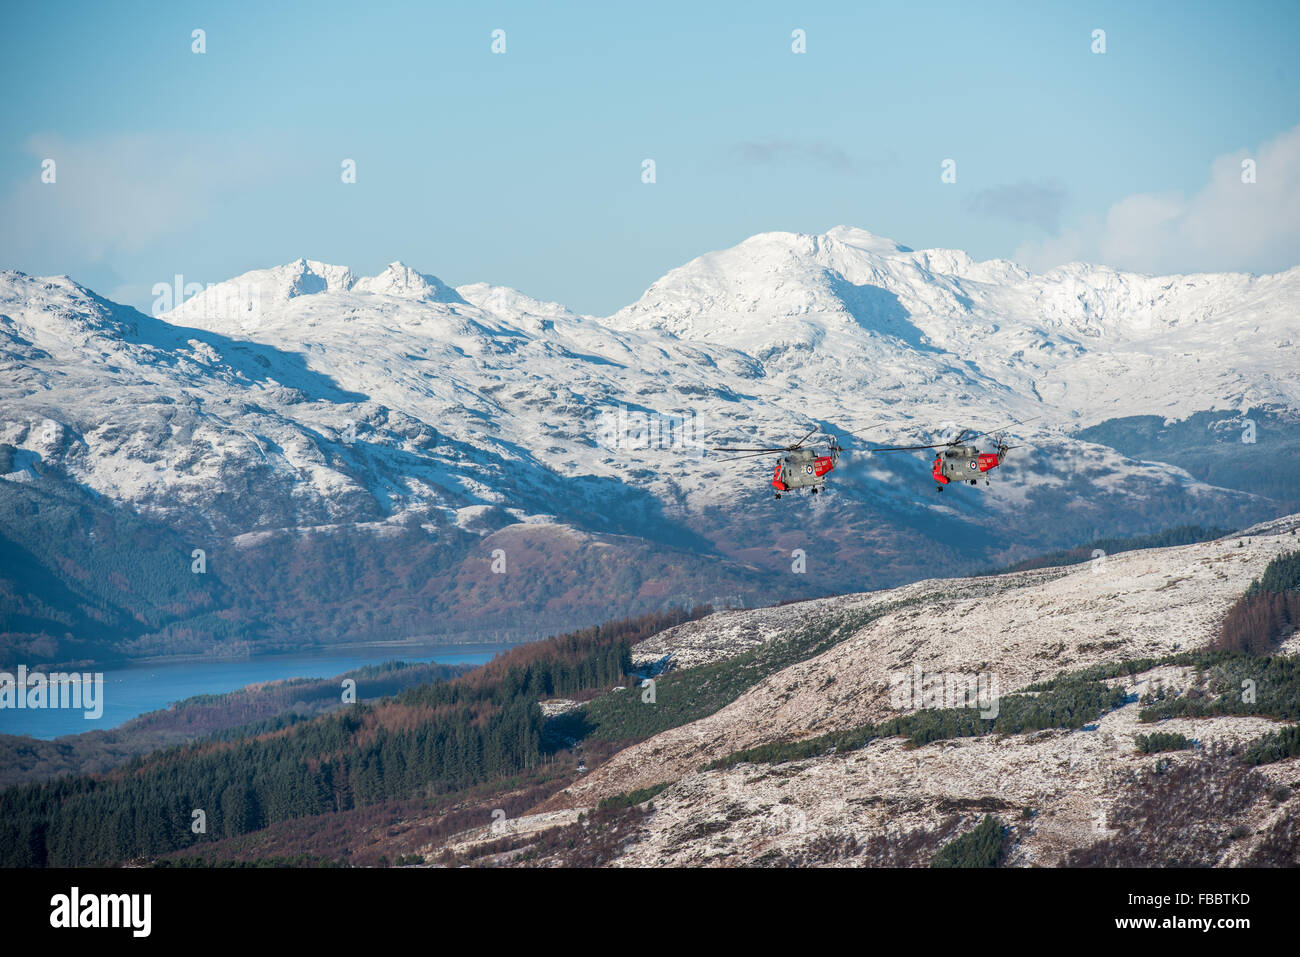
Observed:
{"x":937,"y":470}
{"x":776,"y":477}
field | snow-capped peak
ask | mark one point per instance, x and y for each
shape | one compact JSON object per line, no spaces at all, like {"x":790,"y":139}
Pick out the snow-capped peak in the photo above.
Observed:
{"x":249,"y":299}
{"x":307,"y":277}
{"x":245,"y":298}
{"x":58,"y":309}
{"x":866,"y":241}
{"x":503,"y":300}
{"x":401,"y":280}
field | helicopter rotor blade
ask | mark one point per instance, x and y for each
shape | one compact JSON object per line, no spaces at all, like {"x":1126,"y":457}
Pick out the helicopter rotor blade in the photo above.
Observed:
{"x":865,"y":428}
{"x":911,"y":448}
{"x":755,"y":454}
{"x":791,"y":448}
{"x":1003,"y":428}
{"x":835,"y":442}
{"x":961,"y":438}
{"x":783,"y":448}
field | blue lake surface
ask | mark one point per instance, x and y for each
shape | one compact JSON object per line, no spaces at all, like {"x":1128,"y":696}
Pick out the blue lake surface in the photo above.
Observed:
{"x":138,"y":688}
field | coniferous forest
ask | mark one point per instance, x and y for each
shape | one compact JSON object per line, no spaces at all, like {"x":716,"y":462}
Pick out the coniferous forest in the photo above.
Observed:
{"x":432,"y":739}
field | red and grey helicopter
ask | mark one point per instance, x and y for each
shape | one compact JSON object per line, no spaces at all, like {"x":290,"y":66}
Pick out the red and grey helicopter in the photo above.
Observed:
{"x":955,"y":461}
{"x":801,"y":466}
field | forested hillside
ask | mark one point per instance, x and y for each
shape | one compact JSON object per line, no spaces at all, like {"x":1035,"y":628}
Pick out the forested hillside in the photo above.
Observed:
{"x":439,"y":738}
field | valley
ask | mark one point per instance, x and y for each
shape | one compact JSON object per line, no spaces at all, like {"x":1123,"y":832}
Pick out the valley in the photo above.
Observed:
{"x":1129,"y":725}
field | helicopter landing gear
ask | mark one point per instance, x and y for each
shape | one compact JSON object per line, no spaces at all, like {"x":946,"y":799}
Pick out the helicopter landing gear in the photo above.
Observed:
{"x":938,"y":488}
{"x":814,"y":491}
{"x":973,"y":482}
{"x":778,"y":494}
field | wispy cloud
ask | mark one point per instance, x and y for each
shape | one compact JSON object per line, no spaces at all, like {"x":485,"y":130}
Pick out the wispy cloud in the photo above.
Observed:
{"x":1037,"y":203}
{"x":124,"y":193}
{"x":776,"y":151}
{"x":1228,"y":225}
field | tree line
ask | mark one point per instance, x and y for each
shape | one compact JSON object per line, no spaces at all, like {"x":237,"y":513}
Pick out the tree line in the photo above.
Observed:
{"x":1267,"y":612}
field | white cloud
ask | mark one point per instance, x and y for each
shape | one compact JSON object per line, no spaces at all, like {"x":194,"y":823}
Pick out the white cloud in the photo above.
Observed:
{"x":1226,"y":226}
{"x":121,"y":194}
{"x":775,"y":151}
{"x":1024,"y":202}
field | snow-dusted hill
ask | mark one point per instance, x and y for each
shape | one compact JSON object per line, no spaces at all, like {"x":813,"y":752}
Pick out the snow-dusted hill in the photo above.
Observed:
{"x":1057,"y":790}
{"x":303,"y":396}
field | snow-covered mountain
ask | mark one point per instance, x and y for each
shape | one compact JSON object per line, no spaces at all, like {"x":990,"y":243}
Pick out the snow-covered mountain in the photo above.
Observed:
{"x":1081,"y":343}
{"x":305,"y":398}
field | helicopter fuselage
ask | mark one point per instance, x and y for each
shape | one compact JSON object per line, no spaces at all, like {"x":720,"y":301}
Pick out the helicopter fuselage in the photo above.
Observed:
{"x":802,"y":468}
{"x":963,"y":463}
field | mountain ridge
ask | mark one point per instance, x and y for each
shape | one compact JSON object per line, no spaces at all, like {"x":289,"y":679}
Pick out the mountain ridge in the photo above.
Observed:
{"x":303,"y":396}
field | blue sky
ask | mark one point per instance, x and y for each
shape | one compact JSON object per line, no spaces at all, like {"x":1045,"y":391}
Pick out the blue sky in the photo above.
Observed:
{"x":524,"y":169}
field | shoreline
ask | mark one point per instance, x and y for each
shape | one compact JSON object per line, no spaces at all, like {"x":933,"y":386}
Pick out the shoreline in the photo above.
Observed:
{"x":192,"y":668}
{"x":322,"y":650}
{"x":311,"y":650}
